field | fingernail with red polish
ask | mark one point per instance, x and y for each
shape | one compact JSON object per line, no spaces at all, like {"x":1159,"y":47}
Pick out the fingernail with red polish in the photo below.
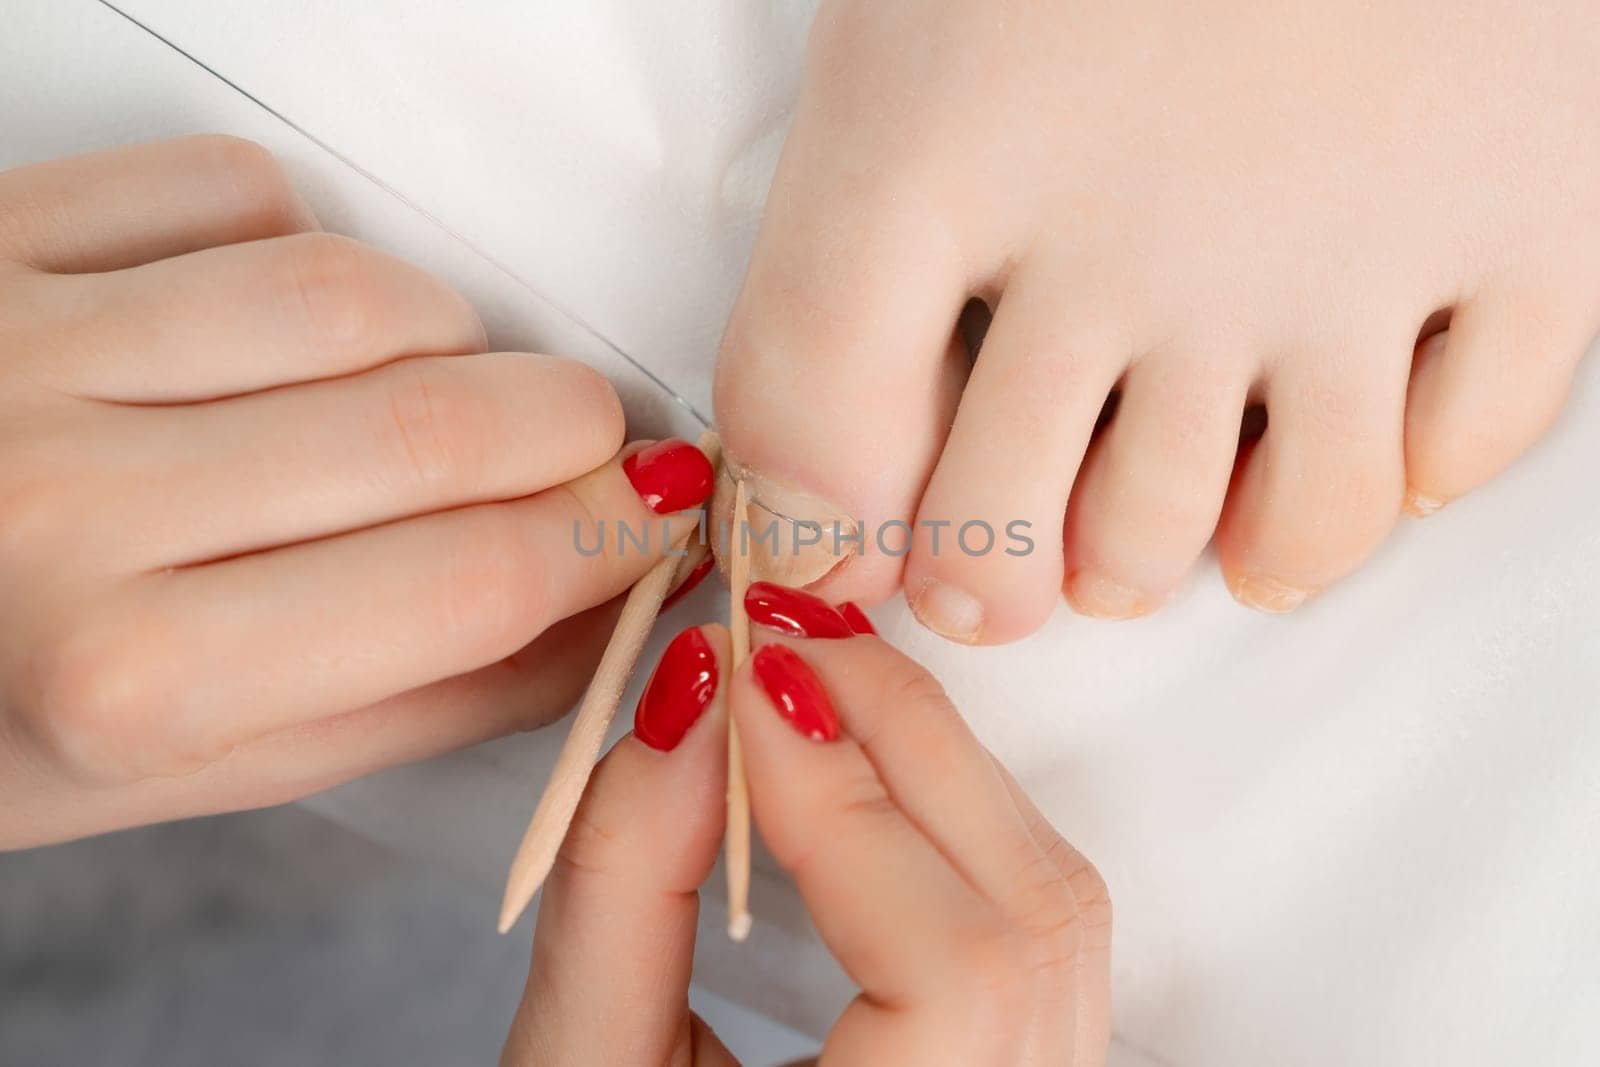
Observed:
{"x":670,"y":475}
{"x":678,"y":692}
{"x":793,"y":612}
{"x":795,"y":691}
{"x":859,"y":623}
{"x":696,"y":576}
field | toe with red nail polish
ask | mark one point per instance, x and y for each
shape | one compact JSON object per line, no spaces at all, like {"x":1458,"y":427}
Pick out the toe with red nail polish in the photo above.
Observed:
{"x":670,"y":475}
{"x":679,"y":691}
{"x":795,"y":691}
{"x":794,"y":612}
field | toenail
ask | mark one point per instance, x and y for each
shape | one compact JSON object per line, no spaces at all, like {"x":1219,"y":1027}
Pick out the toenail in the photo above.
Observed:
{"x":948,"y":611}
{"x":794,"y":538}
{"x":1419,"y":506}
{"x":1268,"y":594}
{"x":1099,"y":596}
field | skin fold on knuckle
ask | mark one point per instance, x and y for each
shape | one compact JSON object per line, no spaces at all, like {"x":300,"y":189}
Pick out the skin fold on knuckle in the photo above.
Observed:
{"x":497,"y":592}
{"x":1088,"y":896}
{"x":864,"y":801}
{"x":801,"y":840}
{"x":596,"y":848}
{"x":896,"y":689}
{"x":439,"y":428}
{"x":1092,"y":898}
{"x":1043,"y":912}
{"x":100,"y":702}
{"x":329,"y":285}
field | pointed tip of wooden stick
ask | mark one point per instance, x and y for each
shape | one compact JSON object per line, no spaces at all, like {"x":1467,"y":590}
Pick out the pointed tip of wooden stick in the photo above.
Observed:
{"x":509,"y":915}
{"x":739,"y":926}
{"x":537,"y":853}
{"x":548,"y":827}
{"x":519,"y":894}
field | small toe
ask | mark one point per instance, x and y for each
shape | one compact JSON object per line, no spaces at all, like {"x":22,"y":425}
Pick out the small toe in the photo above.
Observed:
{"x":1484,"y":390}
{"x":1152,"y":487}
{"x":1317,"y":493}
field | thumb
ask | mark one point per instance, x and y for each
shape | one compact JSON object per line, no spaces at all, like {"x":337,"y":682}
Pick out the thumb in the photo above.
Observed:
{"x":614,"y":945}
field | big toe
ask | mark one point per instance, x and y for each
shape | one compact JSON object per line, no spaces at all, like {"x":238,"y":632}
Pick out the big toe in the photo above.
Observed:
{"x":837,"y":381}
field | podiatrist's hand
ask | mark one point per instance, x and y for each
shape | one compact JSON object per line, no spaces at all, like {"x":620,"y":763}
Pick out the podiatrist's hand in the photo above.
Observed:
{"x":977,"y":935}
{"x":270,"y":516}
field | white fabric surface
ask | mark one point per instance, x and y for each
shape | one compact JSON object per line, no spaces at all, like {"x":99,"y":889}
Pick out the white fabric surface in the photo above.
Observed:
{"x":1365,"y":834}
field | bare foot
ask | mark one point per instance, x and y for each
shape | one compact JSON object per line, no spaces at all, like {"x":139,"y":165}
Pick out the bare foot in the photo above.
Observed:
{"x":1198,"y":208}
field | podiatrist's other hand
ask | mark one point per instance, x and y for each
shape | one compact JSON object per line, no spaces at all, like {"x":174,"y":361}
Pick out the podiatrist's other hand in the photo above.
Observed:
{"x":977,"y":935}
{"x":270,"y":517}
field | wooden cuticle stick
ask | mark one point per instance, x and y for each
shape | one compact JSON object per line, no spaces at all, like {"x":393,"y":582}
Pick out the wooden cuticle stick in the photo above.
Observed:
{"x":592,"y":721}
{"x":736,"y":843}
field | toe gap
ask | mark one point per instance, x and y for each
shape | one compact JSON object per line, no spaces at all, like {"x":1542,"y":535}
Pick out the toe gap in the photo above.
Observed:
{"x":1434,"y":325}
{"x":1252,"y":424}
{"x":1108,"y":410}
{"x":973,"y":325}
{"x":1252,"y":427}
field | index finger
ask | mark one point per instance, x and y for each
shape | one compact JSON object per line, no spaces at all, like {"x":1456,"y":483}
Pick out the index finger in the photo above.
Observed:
{"x":916,"y":864}
{"x":178,"y":668}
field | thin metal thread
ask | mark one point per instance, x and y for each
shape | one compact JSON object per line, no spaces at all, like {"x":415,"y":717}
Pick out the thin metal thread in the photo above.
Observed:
{"x":490,"y":259}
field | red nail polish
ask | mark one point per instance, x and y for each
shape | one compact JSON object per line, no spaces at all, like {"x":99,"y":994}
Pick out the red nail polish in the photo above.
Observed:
{"x":670,"y":475}
{"x":696,"y":576}
{"x":678,"y":692}
{"x":793,"y":612}
{"x":795,"y":691}
{"x":859,"y":623}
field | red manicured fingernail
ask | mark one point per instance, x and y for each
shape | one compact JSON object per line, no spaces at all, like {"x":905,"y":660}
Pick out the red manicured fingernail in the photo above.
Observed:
{"x":859,"y":623}
{"x":670,"y":475}
{"x":795,"y":691}
{"x":678,"y":692}
{"x":696,"y":576}
{"x":793,"y":612}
